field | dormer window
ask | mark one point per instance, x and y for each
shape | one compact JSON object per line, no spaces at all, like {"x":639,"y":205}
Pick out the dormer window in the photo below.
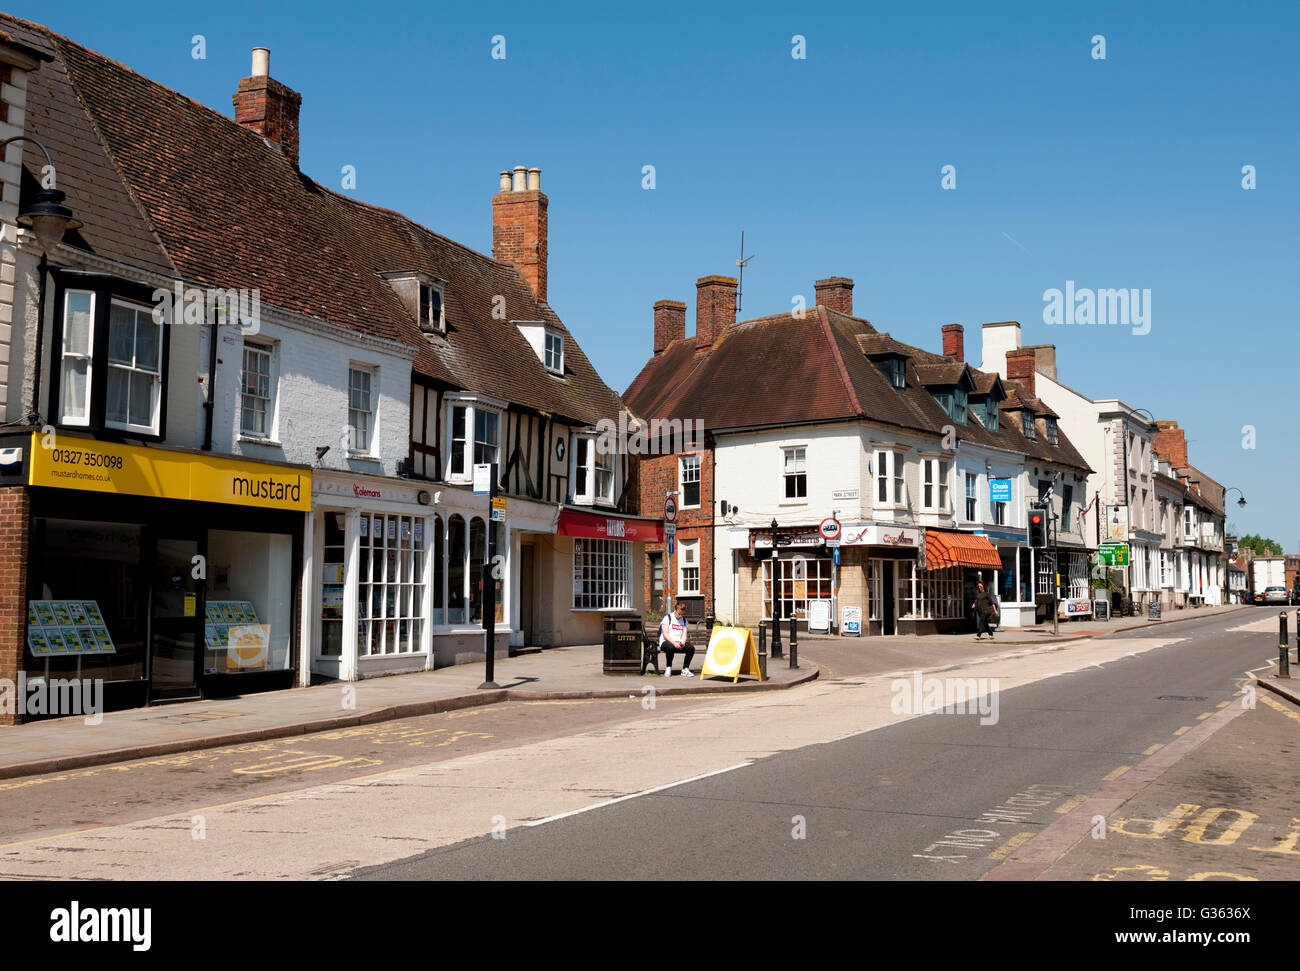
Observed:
{"x":987,"y":410}
{"x":894,"y":370}
{"x":1051,"y":430}
{"x":1027,"y":424}
{"x":431,"y":316}
{"x":422,"y":295}
{"x":547,"y":342}
{"x":554,"y":359}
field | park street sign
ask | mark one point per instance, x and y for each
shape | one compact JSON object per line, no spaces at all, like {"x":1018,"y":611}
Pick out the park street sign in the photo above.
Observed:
{"x":1113,"y":554}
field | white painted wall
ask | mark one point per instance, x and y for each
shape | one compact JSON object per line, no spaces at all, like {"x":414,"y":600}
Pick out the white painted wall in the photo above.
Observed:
{"x":310,"y":377}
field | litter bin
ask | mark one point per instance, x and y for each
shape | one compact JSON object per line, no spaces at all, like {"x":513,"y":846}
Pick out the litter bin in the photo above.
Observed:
{"x":623,"y":644}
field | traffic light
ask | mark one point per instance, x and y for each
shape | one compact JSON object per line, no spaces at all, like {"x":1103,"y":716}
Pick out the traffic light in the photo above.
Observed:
{"x":1037,"y":529}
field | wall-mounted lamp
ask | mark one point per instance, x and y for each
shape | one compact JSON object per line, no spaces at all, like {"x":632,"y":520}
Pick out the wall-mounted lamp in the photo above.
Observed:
{"x":320,"y":452}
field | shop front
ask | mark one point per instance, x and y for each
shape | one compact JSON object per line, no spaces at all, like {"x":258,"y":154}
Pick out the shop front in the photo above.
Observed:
{"x":955,"y":564}
{"x":156,"y":574}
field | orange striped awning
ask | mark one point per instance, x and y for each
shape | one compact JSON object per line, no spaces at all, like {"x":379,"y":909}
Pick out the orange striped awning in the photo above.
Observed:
{"x":943,"y":549}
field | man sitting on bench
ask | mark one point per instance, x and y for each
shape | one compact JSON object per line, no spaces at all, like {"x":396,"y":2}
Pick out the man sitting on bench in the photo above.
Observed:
{"x":672,"y":638}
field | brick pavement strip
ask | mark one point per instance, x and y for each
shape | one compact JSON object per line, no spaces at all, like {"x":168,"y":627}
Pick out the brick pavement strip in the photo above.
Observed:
{"x":1182,"y":814}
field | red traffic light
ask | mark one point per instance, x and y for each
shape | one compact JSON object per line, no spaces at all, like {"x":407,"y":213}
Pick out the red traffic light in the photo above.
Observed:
{"x":1036,"y":518}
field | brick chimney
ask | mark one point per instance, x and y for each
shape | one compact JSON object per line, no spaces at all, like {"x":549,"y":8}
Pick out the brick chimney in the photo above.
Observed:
{"x":1021,"y":366}
{"x":954,"y":342}
{"x":1171,"y":443}
{"x":265,"y":106}
{"x":835,"y":292}
{"x":715,"y":307}
{"x":519,"y":226}
{"x":670,"y":323}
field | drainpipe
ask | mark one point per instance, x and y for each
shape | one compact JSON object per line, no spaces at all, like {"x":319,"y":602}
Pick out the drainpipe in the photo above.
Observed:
{"x":210,"y":405}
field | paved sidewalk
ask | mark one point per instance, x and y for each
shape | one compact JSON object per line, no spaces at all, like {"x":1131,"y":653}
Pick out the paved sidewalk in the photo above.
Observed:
{"x":557,"y":673}
{"x":1042,"y":633}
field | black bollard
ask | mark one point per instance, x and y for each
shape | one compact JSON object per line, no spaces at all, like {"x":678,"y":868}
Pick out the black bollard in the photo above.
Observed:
{"x":794,"y":642}
{"x":1283,"y":658}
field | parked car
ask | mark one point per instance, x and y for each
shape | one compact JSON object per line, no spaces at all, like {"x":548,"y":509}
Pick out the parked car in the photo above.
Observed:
{"x":1277,"y":595}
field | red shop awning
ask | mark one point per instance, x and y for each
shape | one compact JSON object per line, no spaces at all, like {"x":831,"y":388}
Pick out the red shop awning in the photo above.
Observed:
{"x":959,"y":549}
{"x":594,"y":525}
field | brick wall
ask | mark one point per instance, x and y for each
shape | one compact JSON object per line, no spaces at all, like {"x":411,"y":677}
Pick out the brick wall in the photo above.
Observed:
{"x":519,"y":228}
{"x":14,"y":511}
{"x":658,"y":475}
{"x":270,"y":109}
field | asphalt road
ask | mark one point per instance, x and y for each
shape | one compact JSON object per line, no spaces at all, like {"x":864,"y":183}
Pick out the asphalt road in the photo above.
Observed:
{"x":36,"y":806}
{"x":938,"y":797}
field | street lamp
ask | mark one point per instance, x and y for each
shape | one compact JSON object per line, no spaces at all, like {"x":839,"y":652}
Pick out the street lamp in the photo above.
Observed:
{"x":49,"y":219}
{"x":776,"y":597}
{"x":1240,"y":502}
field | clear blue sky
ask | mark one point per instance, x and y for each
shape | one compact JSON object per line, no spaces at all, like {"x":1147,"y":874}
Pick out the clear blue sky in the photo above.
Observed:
{"x":1123,"y":172}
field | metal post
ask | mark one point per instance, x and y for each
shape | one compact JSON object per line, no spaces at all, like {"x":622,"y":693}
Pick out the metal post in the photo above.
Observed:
{"x":794,"y":642}
{"x":1283,"y":658}
{"x":1297,"y":638}
{"x":489,"y":598}
{"x":762,"y":651}
{"x":777,"y":653}
{"x":1056,"y":570}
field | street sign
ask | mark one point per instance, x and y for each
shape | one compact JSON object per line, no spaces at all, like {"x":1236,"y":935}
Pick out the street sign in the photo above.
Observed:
{"x":999,"y":490}
{"x":832,"y":544}
{"x":670,"y":529}
{"x":1113,"y":554}
{"x":482,"y":479}
{"x":836,"y":552}
{"x":671,"y":545}
{"x":852,"y":625}
{"x":498,"y":508}
{"x":830,"y":528}
{"x":670,"y":510}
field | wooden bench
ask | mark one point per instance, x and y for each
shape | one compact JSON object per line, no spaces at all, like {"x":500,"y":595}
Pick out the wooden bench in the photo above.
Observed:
{"x":697,"y":635}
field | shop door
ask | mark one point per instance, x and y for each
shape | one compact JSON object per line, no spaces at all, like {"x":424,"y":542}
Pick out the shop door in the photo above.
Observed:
{"x":174,"y":650}
{"x":887,"y":625}
{"x":527,"y":596}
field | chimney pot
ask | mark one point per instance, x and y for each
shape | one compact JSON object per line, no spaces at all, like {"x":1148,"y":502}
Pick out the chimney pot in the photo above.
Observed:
{"x":836,"y":293}
{"x":954,"y":342}
{"x":519,"y":222}
{"x":268,"y":108}
{"x":715,"y":308}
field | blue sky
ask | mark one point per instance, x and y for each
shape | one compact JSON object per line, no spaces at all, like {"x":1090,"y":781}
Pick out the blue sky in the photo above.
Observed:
{"x":1123,"y":172}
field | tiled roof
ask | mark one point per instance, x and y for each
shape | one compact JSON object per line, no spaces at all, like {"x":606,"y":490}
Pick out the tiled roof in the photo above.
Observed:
{"x":168,"y":185}
{"x":786,"y":370}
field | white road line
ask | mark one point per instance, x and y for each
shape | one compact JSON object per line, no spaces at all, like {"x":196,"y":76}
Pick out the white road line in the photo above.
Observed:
{"x":634,"y":795}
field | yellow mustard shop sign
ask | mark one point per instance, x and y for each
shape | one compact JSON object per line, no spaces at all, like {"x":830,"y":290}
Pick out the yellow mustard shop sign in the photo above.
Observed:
{"x":82,"y":463}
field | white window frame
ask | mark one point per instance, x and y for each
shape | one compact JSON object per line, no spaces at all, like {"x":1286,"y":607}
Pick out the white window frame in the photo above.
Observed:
{"x":88,"y":357}
{"x":934,"y":481}
{"x":972,"y":497}
{"x":684,"y":466}
{"x":800,"y":454}
{"x":688,"y":550}
{"x":266,"y":348}
{"x":595,"y":467}
{"x":602,"y":574}
{"x":372,"y":390}
{"x":155,"y":409}
{"x":553,"y":358}
{"x":891,"y":469}
{"x":431,"y":288}
{"x":473,"y":407}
